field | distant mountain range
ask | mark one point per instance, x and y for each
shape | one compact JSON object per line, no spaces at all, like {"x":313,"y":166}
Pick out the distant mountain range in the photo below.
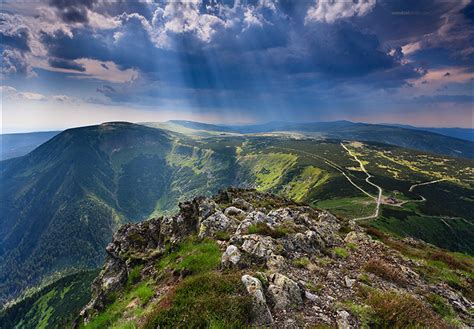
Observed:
{"x":461,"y":133}
{"x":409,"y":137}
{"x":448,"y":141}
{"x":15,"y":145}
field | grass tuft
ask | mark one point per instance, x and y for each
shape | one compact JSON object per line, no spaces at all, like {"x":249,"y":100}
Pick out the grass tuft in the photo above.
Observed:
{"x":341,"y":252}
{"x":385,"y":271}
{"x":201,"y":301}
{"x":264,"y":229}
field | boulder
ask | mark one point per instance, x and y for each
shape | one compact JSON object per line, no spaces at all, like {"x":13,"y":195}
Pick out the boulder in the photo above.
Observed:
{"x":234,"y":212}
{"x":343,"y":320}
{"x":231,"y":256}
{"x":284,"y":293}
{"x":206,"y":207}
{"x":217,"y":222}
{"x":261,"y":247}
{"x":242,"y":204}
{"x":261,"y":313}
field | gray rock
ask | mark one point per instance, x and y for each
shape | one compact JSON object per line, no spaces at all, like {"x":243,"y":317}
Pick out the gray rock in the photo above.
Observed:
{"x":206,"y":207}
{"x":262,"y":315}
{"x":357,"y":237}
{"x":349,"y":282}
{"x":259,"y":246}
{"x":252,"y":218}
{"x":234,"y":212}
{"x":310,"y":296}
{"x":242,"y":204}
{"x":231,"y":256}
{"x":284,"y":293}
{"x":276,"y":263}
{"x":217,"y":222}
{"x":343,"y":320}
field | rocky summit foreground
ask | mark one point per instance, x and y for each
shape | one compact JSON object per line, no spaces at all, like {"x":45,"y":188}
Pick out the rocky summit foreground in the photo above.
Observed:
{"x":246,"y":258}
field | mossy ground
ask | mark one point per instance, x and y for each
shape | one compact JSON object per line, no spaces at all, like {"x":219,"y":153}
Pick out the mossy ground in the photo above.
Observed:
{"x":199,"y":294}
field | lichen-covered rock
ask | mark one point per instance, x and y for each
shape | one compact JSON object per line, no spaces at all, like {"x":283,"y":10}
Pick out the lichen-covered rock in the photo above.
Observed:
{"x":284,"y":293}
{"x":231,"y":256}
{"x":242,"y":204}
{"x":252,"y":218}
{"x":234,"y":212}
{"x":343,"y":320}
{"x":261,"y":313}
{"x":206,"y":207}
{"x":356,"y":237}
{"x":217,"y":222}
{"x":261,"y":247}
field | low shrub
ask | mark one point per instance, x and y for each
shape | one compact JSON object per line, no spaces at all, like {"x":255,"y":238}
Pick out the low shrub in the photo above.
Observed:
{"x":134,"y":275}
{"x":193,"y":257}
{"x":385,"y":271}
{"x":440,"y":305}
{"x":395,"y":310}
{"x":449,"y":260}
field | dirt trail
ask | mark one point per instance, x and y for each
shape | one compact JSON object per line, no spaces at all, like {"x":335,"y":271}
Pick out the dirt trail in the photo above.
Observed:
{"x":367,"y":179}
{"x":426,"y":183}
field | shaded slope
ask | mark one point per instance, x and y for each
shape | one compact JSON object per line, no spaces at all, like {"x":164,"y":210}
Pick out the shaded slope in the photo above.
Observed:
{"x":58,"y":203}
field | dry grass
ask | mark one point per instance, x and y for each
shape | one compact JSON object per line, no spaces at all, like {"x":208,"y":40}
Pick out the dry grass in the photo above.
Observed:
{"x":386,"y":271}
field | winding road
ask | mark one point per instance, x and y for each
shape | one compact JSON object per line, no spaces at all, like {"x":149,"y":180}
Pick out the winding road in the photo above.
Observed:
{"x":426,"y":183}
{"x":378,"y":199}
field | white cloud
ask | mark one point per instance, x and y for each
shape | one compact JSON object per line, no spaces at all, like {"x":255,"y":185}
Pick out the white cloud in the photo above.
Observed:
{"x":330,"y":11}
{"x":61,"y":98}
{"x":11,"y":93}
{"x":182,"y":17}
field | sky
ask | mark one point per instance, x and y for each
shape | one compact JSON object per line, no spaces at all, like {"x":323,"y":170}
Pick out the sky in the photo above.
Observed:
{"x":69,"y":63}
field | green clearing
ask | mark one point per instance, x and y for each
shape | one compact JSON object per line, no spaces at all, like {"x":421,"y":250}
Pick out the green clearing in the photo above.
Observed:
{"x":310,"y":177}
{"x":267,"y":168}
{"x":348,"y":207}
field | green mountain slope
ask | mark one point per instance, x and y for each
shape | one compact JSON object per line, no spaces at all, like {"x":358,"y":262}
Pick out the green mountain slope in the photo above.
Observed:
{"x":61,"y":203}
{"x":53,"y":306}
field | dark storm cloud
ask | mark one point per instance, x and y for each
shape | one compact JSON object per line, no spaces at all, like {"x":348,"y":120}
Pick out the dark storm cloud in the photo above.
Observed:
{"x":66,"y":64}
{"x":444,"y":99}
{"x":73,"y":11}
{"x":253,"y":54}
{"x":340,"y":49}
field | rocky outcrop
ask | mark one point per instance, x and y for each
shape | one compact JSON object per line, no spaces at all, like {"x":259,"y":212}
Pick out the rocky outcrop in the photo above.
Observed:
{"x":261,"y":313}
{"x":297,"y":264}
